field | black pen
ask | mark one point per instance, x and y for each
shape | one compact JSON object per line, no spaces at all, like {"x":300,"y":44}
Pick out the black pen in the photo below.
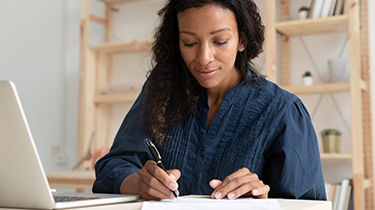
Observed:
{"x":157,"y":158}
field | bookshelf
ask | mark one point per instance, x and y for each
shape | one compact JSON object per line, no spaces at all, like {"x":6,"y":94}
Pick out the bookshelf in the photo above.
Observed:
{"x":355,"y":23}
{"x":95,"y":102}
{"x":95,"y":105}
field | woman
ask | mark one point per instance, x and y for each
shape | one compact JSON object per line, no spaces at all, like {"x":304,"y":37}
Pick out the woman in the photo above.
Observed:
{"x":222,"y":129}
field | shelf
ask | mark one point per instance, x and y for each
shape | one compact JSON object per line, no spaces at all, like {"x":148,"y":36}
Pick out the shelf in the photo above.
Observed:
{"x":318,"y":89}
{"x":313,"y":26}
{"x":117,"y":1}
{"x":71,"y":179}
{"x":123,"y":47}
{"x":335,"y":156}
{"x":116,"y":98}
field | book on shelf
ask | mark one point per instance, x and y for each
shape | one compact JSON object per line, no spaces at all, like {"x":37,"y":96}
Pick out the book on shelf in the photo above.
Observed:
{"x":344,"y":186}
{"x":348,"y":197}
{"x":310,"y":9}
{"x":325,"y":8}
{"x":339,"y":9}
{"x":317,"y":9}
{"x":332,"y":8}
{"x":330,"y":191}
{"x":336,"y":197}
{"x":350,"y":203}
{"x":340,"y":194}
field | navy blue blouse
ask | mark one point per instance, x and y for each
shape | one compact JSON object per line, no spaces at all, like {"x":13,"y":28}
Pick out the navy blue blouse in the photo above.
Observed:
{"x":264,"y":129}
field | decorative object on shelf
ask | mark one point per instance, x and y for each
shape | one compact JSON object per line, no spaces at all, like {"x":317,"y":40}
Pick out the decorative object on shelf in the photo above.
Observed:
{"x":307,"y":79}
{"x":339,"y":70}
{"x":303,"y":12}
{"x":331,"y":140}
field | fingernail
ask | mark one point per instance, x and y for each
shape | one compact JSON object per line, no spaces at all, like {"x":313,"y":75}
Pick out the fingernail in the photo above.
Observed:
{"x":255,"y":192}
{"x":218,"y":195}
{"x":172,"y":185}
{"x":173,"y":176}
{"x":231,"y":195}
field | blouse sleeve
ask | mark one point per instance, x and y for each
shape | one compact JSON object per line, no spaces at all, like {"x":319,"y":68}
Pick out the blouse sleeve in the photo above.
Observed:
{"x":128,"y":152}
{"x":293,"y":167}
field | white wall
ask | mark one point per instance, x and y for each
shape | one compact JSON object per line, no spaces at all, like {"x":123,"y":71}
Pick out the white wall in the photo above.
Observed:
{"x":33,"y":49}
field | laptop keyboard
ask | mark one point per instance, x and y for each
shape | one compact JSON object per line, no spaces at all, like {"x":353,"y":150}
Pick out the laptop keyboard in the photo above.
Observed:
{"x":72,"y":198}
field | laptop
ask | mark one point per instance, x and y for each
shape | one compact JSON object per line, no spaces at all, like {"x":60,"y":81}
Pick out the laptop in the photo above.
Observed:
{"x":23,"y":183}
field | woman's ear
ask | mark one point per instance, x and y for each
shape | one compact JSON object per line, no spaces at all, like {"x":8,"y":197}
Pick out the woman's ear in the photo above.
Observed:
{"x":241,"y":44}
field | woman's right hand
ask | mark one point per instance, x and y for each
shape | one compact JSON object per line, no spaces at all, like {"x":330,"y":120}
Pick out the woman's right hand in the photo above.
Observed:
{"x":152,"y":182}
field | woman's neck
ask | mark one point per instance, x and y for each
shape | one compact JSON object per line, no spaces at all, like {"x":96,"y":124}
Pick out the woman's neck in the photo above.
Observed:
{"x":216,"y":94}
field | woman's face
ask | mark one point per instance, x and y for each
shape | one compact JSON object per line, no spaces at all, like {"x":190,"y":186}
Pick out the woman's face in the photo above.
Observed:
{"x":209,"y":43}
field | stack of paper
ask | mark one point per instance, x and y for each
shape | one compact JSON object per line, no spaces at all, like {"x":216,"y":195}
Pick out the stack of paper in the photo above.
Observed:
{"x":212,"y":204}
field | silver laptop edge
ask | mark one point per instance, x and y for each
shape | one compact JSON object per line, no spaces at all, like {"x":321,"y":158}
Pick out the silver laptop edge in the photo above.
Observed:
{"x":23,"y":182}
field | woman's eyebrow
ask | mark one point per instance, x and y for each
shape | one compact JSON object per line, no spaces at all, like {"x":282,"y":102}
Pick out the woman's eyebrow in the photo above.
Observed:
{"x":220,"y":30}
{"x":212,"y":32}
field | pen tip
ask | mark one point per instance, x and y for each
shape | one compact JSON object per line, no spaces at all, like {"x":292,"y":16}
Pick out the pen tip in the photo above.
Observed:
{"x":178,"y":198}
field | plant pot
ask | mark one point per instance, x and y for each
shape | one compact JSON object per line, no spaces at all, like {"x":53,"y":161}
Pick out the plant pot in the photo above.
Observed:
{"x":331,"y":143}
{"x":302,"y":15}
{"x":307,"y":81}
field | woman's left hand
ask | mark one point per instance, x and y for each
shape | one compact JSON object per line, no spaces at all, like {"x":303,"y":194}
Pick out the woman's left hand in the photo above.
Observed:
{"x":240,"y":183}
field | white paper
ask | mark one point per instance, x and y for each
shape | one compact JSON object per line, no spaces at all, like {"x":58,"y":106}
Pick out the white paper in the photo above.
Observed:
{"x":211,"y":204}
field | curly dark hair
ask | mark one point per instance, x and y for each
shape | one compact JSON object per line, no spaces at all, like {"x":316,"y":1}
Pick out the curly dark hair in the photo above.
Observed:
{"x":172,"y":91}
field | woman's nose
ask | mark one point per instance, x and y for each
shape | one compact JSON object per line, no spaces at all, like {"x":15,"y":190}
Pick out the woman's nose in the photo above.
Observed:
{"x":205,"y":55}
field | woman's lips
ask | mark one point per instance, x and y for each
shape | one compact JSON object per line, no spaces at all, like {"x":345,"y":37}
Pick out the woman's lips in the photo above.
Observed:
{"x":206,"y":73}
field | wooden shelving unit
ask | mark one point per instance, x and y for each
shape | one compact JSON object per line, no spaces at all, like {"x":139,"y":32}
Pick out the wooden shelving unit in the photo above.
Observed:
{"x":356,"y":25}
{"x":95,"y":105}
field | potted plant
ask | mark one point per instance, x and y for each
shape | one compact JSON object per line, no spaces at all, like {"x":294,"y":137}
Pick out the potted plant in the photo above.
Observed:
{"x":303,"y":12}
{"x":331,"y":140}
{"x":307,"y":78}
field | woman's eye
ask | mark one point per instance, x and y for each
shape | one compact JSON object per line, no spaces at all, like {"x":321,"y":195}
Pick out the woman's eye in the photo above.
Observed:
{"x":221,"y":43}
{"x":190,"y":44}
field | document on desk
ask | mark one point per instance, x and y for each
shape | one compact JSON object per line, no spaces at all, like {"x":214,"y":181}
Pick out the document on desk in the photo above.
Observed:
{"x":211,"y":204}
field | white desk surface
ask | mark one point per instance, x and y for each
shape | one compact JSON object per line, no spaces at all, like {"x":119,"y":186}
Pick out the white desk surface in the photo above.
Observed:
{"x":286,"y":204}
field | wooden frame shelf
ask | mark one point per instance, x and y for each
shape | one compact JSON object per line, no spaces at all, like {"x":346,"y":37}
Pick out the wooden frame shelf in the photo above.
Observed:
{"x":328,"y":88}
{"x":115,"y":98}
{"x":123,"y":47}
{"x":71,"y":179}
{"x":335,"y":156}
{"x":117,"y":1}
{"x":312,"y":26}
{"x":355,"y":23}
{"x":318,"y":89}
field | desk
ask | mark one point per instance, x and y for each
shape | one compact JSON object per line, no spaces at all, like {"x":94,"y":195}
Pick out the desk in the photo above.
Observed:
{"x":286,"y":204}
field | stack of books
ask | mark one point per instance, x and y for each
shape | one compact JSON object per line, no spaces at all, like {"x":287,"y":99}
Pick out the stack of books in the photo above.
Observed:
{"x":340,"y":194}
{"x":325,"y":8}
